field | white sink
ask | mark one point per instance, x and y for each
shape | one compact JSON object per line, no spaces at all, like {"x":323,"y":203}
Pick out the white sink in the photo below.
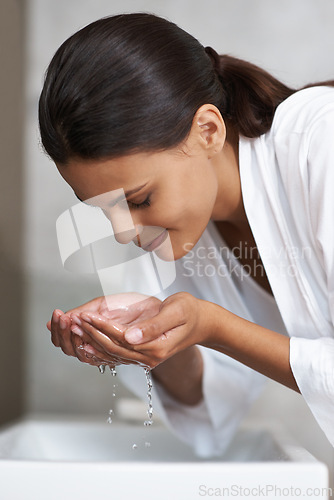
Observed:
{"x":72,"y":459}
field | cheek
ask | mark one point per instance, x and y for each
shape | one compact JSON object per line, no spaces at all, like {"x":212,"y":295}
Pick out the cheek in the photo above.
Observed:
{"x":158,"y":216}
{"x":192,"y":223}
{"x":198,"y":209}
{"x":185,"y":212}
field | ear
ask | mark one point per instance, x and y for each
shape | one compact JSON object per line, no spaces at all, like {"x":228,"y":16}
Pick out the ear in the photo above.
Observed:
{"x":208,"y":129}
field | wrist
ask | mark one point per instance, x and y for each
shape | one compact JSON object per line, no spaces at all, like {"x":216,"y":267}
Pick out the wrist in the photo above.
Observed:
{"x":208,"y":314}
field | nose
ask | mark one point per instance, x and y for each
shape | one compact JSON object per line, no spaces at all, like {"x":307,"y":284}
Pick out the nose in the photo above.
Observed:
{"x":122,"y":223}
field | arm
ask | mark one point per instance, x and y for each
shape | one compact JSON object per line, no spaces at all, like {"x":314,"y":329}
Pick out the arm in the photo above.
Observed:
{"x":312,"y":359}
{"x":264,"y":350}
{"x":184,"y":321}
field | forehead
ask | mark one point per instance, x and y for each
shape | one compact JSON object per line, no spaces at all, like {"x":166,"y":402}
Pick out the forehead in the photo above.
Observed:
{"x":93,"y":177}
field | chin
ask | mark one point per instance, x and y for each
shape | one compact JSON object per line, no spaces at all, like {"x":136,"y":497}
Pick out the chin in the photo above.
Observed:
{"x":165,"y":251}
{"x":169,"y":253}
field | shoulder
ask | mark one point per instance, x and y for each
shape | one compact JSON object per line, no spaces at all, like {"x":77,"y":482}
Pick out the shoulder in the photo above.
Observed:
{"x":302,"y":132}
{"x":301,"y":140}
{"x":301,"y":111}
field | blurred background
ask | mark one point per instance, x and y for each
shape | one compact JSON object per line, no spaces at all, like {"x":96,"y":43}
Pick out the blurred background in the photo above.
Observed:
{"x":293,"y":39}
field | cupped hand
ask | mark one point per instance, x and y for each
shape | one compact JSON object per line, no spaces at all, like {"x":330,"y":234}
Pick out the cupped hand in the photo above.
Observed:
{"x":154,"y":330}
{"x":121,"y":310}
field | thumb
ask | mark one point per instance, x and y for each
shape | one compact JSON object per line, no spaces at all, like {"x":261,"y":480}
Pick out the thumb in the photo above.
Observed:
{"x":167,"y":319}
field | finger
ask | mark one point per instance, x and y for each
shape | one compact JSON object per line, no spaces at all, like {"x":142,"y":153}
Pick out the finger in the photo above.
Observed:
{"x":54,"y":326}
{"x":64,"y":334}
{"x":79,"y":350}
{"x":85,"y":338}
{"x":89,"y":358}
{"x":108,"y":346}
{"x":103,"y":358}
{"x":90,"y":353}
{"x":76,"y":328}
{"x":113,"y":330}
{"x":87,"y":350}
{"x":78,"y":347}
{"x":169,"y":317}
{"x":85,"y":353}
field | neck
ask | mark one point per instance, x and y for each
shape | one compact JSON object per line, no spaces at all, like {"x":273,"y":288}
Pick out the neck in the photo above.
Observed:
{"x":229,"y":205}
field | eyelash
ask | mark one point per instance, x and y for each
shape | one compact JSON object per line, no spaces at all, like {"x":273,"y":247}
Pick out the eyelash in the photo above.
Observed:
{"x":136,"y":206}
{"x":146,"y":203}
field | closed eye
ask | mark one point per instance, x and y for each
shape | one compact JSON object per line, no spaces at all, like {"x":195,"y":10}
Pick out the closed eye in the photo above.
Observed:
{"x":131,"y":204}
{"x":143,"y":204}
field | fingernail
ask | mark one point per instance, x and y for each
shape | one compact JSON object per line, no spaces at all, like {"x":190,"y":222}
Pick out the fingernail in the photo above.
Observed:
{"x":62,"y":323}
{"x":55,"y":317}
{"x":75,"y":329}
{"x":134,"y":336}
{"x":76,"y":319}
{"x":86,"y":318}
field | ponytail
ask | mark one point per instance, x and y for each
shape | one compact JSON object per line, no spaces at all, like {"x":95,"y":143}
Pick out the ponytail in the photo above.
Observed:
{"x":251,"y":93}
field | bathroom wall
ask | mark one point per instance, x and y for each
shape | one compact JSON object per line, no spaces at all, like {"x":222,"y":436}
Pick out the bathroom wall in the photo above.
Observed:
{"x":11,"y":207}
{"x":292,"y":39}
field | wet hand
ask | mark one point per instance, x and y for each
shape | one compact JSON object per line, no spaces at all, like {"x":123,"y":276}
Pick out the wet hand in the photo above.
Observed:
{"x":159,"y":332}
{"x":62,"y":324}
{"x":121,"y":310}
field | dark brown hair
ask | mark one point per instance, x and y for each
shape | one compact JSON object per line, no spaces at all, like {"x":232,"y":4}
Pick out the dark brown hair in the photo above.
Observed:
{"x":134,"y":82}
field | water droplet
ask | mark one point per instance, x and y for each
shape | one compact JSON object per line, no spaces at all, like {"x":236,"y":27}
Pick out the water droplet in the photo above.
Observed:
{"x":111,"y":411}
{"x":149,"y":397}
{"x":134,"y":446}
{"x":102,"y":368}
{"x":147,"y":444}
{"x":113,"y":394}
{"x":109,"y":420}
{"x":113,"y":371}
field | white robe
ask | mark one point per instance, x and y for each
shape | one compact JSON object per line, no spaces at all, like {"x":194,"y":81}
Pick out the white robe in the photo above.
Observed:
{"x":287,"y":180}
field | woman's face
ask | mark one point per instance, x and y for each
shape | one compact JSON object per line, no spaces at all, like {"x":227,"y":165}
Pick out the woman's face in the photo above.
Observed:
{"x":170,"y":196}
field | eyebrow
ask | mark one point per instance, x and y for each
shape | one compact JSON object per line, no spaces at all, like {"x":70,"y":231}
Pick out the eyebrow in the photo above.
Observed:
{"x":126,"y":195}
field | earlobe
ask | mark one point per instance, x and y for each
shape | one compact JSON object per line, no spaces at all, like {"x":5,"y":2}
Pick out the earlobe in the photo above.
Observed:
{"x":211,"y":129}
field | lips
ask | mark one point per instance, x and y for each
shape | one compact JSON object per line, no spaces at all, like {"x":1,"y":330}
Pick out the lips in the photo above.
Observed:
{"x":156,"y":242}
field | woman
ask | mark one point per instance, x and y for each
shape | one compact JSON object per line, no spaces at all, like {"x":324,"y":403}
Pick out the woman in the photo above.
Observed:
{"x":214,"y":153}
